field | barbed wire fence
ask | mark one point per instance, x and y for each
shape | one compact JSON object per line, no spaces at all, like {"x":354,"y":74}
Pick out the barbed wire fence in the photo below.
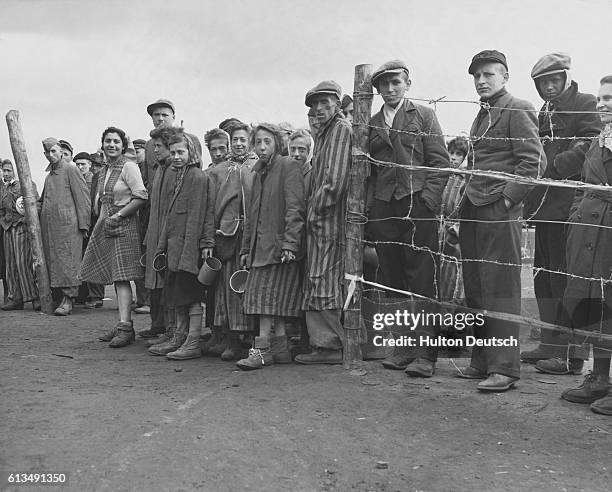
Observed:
{"x":357,"y":219}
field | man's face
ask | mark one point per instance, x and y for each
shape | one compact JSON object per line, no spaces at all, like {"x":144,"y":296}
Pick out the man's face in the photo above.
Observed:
{"x":96,"y":168}
{"x":84,"y":165}
{"x":604,"y":103}
{"x":240,"y":142}
{"x":324,"y":107}
{"x":489,"y":79}
{"x":160,"y":150}
{"x":392,"y":87}
{"x":456,"y":158}
{"x":66,"y":155}
{"x":299,"y":148}
{"x":551,"y":86}
{"x":162,"y":115}
{"x":217,"y":149}
{"x":140,"y":155}
{"x":7,"y":173}
{"x":348,"y":112}
{"x":54,"y":154}
{"x":265,"y":145}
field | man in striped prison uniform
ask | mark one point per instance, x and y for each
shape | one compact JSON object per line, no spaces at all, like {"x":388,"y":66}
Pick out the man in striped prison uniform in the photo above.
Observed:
{"x":19,"y":274}
{"x":325,"y":226}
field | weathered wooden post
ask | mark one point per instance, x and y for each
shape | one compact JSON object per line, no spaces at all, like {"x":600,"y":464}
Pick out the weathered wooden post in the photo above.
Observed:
{"x":354,"y":327}
{"x":29,"y":201}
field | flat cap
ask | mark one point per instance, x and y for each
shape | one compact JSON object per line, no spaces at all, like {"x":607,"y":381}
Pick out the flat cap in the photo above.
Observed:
{"x":346,"y":101}
{"x":325,"y":87}
{"x":393,"y":66}
{"x":48,"y":143}
{"x":160,"y":103}
{"x":64,"y":144}
{"x":82,"y":155}
{"x":549,"y":64}
{"x":487,"y":56}
{"x":139,"y":143}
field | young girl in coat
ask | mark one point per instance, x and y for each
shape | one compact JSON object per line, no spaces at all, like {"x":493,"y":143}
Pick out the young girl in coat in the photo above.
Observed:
{"x":270,"y":247}
{"x":187,"y":236}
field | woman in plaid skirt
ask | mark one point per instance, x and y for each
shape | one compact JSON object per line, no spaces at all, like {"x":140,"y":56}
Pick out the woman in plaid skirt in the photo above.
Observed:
{"x":270,"y":247}
{"x":113,"y":252}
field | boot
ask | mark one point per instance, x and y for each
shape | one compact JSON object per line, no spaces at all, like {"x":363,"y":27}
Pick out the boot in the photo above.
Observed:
{"x":12,"y":306}
{"x":232,"y":349}
{"x":259,"y":356}
{"x":279,"y":346}
{"x":190,"y":349}
{"x":538,"y":353}
{"x":594,"y":387}
{"x":178,"y":337}
{"x":65,"y":308}
{"x":168,"y":334}
{"x":560,"y":366}
{"x":213,"y":340}
{"x":152,"y":332}
{"x":125,"y":335}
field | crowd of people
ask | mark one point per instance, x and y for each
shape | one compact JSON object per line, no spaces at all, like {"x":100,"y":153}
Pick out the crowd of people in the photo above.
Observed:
{"x":273,"y":203}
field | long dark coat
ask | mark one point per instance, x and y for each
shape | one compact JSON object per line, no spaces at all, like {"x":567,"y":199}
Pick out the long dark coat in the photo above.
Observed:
{"x":589,"y":248}
{"x":276,"y":212}
{"x":189,"y":226}
{"x":65,"y":213}
{"x":570,"y":131}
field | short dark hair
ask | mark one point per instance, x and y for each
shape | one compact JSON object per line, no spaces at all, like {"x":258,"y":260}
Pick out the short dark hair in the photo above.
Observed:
{"x":216,"y":134}
{"x":122,"y":136}
{"x":606,"y":80}
{"x":8,"y":161}
{"x":458,"y":144}
{"x":163,"y":134}
{"x":227,"y":124}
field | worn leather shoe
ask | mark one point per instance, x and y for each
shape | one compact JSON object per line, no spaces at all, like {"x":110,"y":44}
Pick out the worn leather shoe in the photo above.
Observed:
{"x":65,"y":308}
{"x":560,"y":366}
{"x":602,"y":406}
{"x":497,"y":382}
{"x":533,"y":356}
{"x":189,"y":350}
{"x":397,"y":362}
{"x":12,"y":306}
{"x":421,"y":368}
{"x":124,"y":336}
{"x":594,"y":387}
{"x":470,"y":372}
{"x":318,"y":356}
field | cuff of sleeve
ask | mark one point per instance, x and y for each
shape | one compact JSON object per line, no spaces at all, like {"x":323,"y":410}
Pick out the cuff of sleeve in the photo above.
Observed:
{"x":140,"y":194}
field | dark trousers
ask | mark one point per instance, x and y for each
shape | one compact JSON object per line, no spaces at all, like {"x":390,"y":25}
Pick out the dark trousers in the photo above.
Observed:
{"x":404,"y":266}
{"x":490,"y":284}
{"x":593,"y":315}
{"x":549,"y":287}
{"x":158,"y":314}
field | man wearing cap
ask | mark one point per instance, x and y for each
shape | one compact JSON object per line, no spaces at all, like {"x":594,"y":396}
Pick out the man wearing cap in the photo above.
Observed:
{"x":64,"y":219}
{"x":504,"y":139}
{"x":568,"y":120}
{"x":67,"y":150}
{"x":142,"y":293}
{"x":325,"y":226}
{"x":20,"y":281}
{"x":406,"y":134}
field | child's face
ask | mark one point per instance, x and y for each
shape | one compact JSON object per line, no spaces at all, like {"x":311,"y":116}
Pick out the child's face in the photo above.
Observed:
{"x":179,"y":153}
{"x":265,"y":145}
{"x":456,"y":158}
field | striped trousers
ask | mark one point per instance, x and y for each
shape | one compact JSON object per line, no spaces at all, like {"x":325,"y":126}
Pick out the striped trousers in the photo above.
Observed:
{"x":19,"y":265}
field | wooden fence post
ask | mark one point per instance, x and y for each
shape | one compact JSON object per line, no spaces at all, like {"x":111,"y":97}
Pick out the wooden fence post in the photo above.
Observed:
{"x":31,"y":211}
{"x":354,"y":327}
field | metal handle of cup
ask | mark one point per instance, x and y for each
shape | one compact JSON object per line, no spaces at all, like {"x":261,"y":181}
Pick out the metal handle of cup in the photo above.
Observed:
{"x":143,"y":260}
{"x":156,"y":262}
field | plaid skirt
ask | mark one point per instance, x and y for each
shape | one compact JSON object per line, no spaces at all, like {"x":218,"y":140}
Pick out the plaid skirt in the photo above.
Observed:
{"x":112,"y":259}
{"x":228,"y":305}
{"x":274,"y":290}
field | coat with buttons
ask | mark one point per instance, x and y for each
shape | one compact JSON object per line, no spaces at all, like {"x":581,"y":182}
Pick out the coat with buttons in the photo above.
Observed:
{"x":589,"y":240}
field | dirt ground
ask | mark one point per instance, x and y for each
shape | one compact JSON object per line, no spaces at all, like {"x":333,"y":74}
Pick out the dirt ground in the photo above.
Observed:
{"x":120,"y":419}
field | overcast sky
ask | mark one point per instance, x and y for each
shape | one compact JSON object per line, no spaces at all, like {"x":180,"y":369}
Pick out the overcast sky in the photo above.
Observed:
{"x":74,"y":67}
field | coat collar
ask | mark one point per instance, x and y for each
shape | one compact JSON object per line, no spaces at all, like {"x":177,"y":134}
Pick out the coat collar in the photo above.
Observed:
{"x":403,"y":116}
{"x":488,"y":118}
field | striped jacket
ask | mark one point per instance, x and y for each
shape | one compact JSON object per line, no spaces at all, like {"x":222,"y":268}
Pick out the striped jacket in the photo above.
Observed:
{"x":326,"y":215}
